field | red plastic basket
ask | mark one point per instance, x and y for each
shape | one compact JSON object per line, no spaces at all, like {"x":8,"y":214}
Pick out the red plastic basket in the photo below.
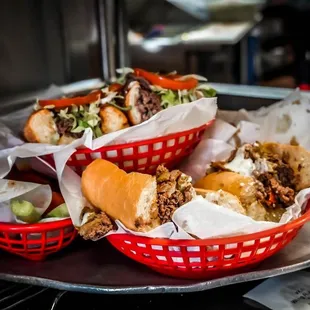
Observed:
{"x":36,"y":241}
{"x":208,"y":258}
{"x":143,"y":156}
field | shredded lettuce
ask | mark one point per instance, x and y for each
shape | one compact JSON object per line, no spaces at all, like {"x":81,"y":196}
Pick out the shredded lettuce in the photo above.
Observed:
{"x":83,"y":117}
{"x":170,"y":98}
{"x":97,"y":131}
{"x":109,"y":95}
{"x":206,"y":90}
{"x":64,"y":114}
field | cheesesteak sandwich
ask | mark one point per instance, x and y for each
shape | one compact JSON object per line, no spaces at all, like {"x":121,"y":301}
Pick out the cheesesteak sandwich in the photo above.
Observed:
{"x":135,"y":97}
{"x":139,"y":201}
{"x":265,"y":178}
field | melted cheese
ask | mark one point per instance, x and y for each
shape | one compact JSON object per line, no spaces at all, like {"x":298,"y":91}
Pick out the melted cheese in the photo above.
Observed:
{"x":241,"y":165}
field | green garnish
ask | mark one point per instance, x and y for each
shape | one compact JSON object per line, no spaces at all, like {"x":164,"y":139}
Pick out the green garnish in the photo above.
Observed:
{"x":119,"y":107}
{"x":24,"y":211}
{"x":60,"y":211}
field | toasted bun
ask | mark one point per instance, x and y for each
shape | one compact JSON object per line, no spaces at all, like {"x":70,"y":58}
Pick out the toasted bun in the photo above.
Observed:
{"x":112,"y":119}
{"x":223,"y":199}
{"x":132,"y":96}
{"x":297,"y":158}
{"x":242,"y":187}
{"x":65,"y":139}
{"x":129,"y":198}
{"x":41,"y":128}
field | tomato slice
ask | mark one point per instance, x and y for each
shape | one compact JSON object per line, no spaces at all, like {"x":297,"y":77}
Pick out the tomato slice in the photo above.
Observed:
{"x":168,"y":81}
{"x":67,"y":102}
{"x":115,"y":87}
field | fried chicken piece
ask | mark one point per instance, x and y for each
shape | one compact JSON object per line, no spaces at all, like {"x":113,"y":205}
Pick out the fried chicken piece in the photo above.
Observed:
{"x":97,"y":226}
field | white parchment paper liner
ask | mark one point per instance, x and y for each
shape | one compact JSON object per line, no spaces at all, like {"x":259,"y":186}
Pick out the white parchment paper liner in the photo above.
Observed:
{"x":37,"y":194}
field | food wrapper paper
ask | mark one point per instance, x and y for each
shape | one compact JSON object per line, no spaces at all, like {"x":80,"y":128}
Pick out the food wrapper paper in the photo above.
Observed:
{"x":286,"y":292}
{"x":286,"y":121}
{"x":37,"y":194}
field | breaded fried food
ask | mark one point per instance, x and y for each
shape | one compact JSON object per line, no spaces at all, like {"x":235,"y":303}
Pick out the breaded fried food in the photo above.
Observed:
{"x":41,"y":128}
{"x":112,"y":119}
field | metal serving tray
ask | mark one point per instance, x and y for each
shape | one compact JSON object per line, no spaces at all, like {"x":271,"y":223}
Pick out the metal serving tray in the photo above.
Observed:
{"x":96,"y":267}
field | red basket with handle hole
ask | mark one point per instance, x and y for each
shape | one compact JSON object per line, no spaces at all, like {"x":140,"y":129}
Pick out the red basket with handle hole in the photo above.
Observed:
{"x":207,"y":258}
{"x":143,"y":156}
{"x":36,"y":241}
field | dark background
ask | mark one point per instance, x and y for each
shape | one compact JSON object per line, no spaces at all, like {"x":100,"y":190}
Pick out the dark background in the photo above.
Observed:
{"x":54,"y":41}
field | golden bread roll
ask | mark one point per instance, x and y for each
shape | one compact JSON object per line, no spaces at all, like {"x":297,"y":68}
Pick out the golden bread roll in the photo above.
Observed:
{"x":41,"y":128}
{"x":129,"y":198}
{"x":132,"y":96}
{"x":242,"y":187}
{"x":112,"y":119}
{"x":223,"y":199}
{"x":66,"y":139}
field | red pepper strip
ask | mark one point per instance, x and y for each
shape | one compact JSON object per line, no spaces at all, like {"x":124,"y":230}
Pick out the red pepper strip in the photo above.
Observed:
{"x":271,"y":199}
{"x":174,"y":76}
{"x":115,"y":87}
{"x":98,"y":92}
{"x":67,"y":102}
{"x":167,"y":81}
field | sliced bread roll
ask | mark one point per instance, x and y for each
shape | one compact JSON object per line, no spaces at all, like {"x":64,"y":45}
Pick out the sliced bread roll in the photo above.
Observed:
{"x":131,"y":99}
{"x":242,"y":187}
{"x":112,"y":119}
{"x":129,"y":198}
{"x":66,"y":139}
{"x":223,"y":199}
{"x":41,"y":128}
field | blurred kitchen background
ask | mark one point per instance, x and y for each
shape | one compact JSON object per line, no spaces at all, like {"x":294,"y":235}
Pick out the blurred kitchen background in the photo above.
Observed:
{"x":252,"y":42}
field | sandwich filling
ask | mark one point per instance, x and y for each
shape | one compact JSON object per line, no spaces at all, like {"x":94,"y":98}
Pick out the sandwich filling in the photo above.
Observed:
{"x":97,"y":224}
{"x":148,"y":103}
{"x":174,"y":189}
{"x":275,"y":180}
